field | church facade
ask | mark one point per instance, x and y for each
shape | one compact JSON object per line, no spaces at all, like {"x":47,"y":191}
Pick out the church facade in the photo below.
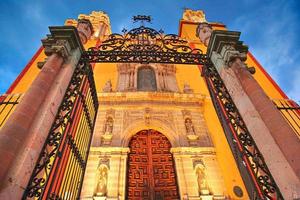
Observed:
{"x":205,"y":124}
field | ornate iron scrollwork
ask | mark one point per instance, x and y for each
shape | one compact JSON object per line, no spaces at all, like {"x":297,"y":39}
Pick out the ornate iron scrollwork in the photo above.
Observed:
{"x":240,"y":136}
{"x":64,"y":154}
{"x":145,"y":45}
{"x":79,"y":107}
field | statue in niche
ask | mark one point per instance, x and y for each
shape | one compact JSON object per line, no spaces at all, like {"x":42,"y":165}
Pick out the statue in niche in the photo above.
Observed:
{"x":189,"y":126}
{"x":109,"y":124}
{"x":102,"y":175}
{"x":107,"y":87}
{"x":201,"y":179}
{"x":203,"y":32}
{"x":187,"y":88}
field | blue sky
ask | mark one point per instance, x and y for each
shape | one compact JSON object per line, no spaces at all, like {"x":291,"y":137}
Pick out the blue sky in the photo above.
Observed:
{"x":270,"y":28}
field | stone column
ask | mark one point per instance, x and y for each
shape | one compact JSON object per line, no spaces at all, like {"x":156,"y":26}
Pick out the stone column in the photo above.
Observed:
{"x":22,"y":137}
{"x":273,"y":136}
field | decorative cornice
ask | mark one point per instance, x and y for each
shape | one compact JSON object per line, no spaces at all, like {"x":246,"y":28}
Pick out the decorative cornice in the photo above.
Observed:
{"x":62,"y":40}
{"x":108,"y":150}
{"x":224,"y":47}
{"x":167,"y":98}
{"x":193,"y":151}
{"x":220,"y":38}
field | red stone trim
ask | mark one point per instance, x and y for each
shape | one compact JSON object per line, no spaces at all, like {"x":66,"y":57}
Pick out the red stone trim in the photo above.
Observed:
{"x":20,"y":76}
{"x":268,"y":76}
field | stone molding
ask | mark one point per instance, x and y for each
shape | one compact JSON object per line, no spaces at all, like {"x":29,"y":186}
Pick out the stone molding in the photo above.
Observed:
{"x":193,"y":151}
{"x":109,"y":150}
{"x":168,"y":98}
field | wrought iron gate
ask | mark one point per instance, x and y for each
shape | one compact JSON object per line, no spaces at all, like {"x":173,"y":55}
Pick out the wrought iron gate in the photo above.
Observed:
{"x":151,"y":171}
{"x":59,"y":171}
{"x":146,"y":45}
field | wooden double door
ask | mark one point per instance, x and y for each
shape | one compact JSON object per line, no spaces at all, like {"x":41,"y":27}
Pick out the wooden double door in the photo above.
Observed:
{"x":151,"y":171}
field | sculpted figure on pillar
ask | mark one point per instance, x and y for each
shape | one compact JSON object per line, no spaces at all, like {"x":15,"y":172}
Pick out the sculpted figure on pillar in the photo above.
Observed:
{"x":203,"y":32}
{"x":102,"y":175}
{"x":85,"y":30}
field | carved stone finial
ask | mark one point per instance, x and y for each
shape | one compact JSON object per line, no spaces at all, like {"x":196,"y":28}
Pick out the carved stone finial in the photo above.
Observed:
{"x":203,"y":32}
{"x":85,"y":30}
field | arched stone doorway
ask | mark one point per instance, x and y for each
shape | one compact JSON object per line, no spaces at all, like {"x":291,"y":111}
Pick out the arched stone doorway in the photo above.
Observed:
{"x":151,"y":171}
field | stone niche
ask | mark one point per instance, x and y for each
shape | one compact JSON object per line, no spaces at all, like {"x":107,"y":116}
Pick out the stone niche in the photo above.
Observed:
{"x":144,"y":77}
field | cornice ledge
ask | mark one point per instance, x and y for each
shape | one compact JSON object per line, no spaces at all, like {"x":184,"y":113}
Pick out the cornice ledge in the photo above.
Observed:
{"x":108,"y":150}
{"x":151,"y":96}
{"x":193,"y":150}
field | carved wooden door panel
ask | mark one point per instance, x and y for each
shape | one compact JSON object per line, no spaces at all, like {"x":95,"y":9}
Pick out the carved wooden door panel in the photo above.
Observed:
{"x":151,"y":172}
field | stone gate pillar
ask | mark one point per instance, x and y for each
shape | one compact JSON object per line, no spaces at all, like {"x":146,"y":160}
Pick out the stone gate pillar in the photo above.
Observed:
{"x":275,"y":139}
{"x":23,"y":135}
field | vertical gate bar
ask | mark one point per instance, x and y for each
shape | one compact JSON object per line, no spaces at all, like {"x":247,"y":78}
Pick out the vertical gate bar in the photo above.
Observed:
{"x":76,"y":127}
{"x":63,"y":142}
{"x":95,"y":102}
{"x":64,"y":159}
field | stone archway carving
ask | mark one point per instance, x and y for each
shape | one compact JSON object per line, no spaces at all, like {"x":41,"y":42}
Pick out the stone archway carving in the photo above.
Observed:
{"x":139,"y":125}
